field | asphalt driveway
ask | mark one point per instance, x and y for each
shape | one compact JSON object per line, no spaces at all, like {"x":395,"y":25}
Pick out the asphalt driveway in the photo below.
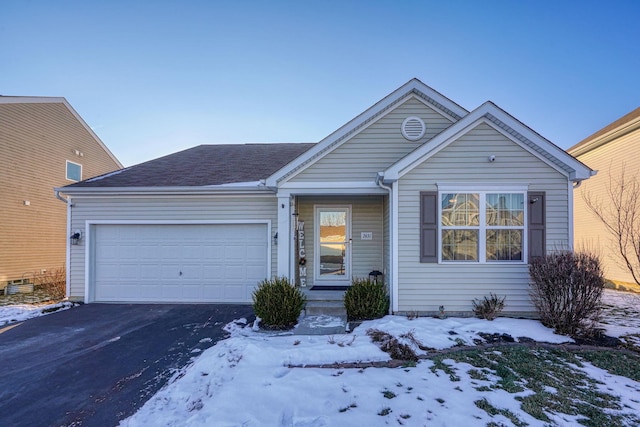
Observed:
{"x":96,"y":364}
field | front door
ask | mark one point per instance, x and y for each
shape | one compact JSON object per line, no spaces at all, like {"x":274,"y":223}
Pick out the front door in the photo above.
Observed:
{"x":332,"y":245}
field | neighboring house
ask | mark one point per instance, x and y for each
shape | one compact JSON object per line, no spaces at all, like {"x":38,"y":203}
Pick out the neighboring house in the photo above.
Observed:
{"x":609,"y":150}
{"x":448,"y":204}
{"x":43,"y":144}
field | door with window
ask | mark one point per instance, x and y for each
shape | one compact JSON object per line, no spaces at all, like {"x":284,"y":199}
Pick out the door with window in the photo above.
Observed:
{"x":332,"y":245}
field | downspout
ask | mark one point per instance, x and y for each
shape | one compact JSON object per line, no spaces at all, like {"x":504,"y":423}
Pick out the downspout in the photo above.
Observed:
{"x":67,"y":201}
{"x":381,"y":184}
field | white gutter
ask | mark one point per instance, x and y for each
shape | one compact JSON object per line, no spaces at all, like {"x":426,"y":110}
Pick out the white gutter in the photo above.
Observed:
{"x":392,"y":276}
{"x":67,"y":201}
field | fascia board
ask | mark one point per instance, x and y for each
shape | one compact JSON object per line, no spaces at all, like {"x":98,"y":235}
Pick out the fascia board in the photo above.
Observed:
{"x":31,"y":100}
{"x":614,"y":134}
{"x":377,"y":108}
{"x":182,"y":191}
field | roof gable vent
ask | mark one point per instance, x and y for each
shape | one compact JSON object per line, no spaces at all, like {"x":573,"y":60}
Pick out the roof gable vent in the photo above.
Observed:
{"x":413,"y":128}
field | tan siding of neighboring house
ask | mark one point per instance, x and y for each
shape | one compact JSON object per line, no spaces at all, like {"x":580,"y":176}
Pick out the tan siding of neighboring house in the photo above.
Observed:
{"x":375,"y":148}
{"x":366,"y":216}
{"x":428,"y":286}
{"x":147,"y":208}
{"x":590,"y":232}
{"x":36,"y":140}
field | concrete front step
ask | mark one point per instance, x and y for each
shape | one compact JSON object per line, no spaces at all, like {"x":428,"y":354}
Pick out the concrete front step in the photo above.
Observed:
{"x":321,"y":325}
{"x":330,"y":308}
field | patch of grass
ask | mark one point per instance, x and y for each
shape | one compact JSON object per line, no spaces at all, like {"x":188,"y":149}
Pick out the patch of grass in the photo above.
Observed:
{"x":439,"y":365}
{"x":493,"y":411}
{"x":388,"y":394}
{"x":540,"y":370}
{"x":478,"y":374}
{"x":346,"y":408}
{"x":384,"y":412}
{"x":617,"y":363}
{"x":440,"y":400}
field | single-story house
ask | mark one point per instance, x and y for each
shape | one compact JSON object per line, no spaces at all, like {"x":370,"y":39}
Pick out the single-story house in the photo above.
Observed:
{"x":447,"y":204}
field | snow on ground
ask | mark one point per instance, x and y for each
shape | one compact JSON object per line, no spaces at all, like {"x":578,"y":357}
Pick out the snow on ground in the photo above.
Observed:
{"x":247,"y":380}
{"x":621,"y":313}
{"x":21,"y":312}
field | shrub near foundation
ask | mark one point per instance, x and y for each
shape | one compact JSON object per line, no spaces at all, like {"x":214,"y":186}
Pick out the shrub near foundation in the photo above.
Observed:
{"x":566,"y":289}
{"x":278,"y":303}
{"x":366,"y":300}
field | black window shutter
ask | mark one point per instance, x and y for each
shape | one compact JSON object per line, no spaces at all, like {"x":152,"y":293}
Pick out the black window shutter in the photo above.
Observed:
{"x":429,"y":226}
{"x":537,"y":223}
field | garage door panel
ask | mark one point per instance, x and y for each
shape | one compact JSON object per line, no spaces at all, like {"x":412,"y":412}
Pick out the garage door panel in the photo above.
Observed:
{"x":142,"y":263}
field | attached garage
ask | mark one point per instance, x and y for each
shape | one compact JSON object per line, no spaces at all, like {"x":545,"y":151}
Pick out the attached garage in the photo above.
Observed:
{"x":168,"y":263}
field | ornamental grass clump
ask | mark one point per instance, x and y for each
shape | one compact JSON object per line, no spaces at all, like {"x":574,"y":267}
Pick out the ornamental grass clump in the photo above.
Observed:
{"x":278,"y":303}
{"x":366,"y":300}
{"x":566,"y":288}
{"x":489,"y":307}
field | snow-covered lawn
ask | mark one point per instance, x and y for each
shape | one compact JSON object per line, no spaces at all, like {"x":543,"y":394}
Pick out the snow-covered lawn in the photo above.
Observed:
{"x":248,"y":379}
{"x":21,"y":312}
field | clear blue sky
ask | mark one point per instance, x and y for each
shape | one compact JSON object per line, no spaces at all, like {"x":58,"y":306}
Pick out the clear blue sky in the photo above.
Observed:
{"x":155,"y":77}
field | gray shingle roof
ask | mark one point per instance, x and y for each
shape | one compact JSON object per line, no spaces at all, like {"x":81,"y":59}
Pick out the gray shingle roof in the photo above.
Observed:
{"x":204,"y":165}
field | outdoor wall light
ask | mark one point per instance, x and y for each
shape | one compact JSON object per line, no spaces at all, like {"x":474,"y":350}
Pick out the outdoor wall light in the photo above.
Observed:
{"x":75,"y":238}
{"x":275,"y":238}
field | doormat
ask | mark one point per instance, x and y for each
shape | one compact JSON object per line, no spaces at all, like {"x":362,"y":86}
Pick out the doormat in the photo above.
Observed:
{"x":329,"y":288}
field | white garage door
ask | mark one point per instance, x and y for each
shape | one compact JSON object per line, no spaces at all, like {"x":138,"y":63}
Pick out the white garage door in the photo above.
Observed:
{"x":179,"y":263}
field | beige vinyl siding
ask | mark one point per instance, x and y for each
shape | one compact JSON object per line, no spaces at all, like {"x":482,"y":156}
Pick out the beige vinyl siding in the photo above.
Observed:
{"x":608,"y":160}
{"x":376,"y":147}
{"x":166,"y":208}
{"x":425,"y":287}
{"x":36,"y":140}
{"x":366,"y":215}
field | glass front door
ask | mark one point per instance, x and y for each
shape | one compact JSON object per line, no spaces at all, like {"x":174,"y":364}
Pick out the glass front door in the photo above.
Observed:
{"x":332,"y":260}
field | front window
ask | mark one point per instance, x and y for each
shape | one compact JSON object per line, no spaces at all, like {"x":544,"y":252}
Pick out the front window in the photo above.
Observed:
{"x":482,"y":226}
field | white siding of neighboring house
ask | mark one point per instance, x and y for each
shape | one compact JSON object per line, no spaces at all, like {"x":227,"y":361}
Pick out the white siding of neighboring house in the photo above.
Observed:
{"x":425,"y":287}
{"x":366,"y":215}
{"x":590,"y":232}
{"x":165,"y":208}
{"x":376,"y":147}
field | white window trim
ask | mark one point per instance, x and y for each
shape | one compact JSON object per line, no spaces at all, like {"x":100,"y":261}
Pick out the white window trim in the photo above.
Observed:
{"x":66,"y":171}
{"x":483,"y":227}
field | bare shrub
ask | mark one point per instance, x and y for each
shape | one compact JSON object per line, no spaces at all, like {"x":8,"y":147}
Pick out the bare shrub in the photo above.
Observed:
{"x":390,"y":344}
{"x":566,"y":288}
{"x":53,"y":282}
{"x":489,"y":307}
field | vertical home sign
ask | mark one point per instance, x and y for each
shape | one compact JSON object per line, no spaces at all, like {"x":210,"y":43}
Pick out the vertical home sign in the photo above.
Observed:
{"x":302,"y":255}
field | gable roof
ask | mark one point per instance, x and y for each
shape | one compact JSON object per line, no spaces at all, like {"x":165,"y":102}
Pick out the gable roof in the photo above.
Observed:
{"x":203,"y":165}
{"x":500,"y":120}
{"x":7,"y":100}
{"x":413,"y":87}
{"x":618,"y":128}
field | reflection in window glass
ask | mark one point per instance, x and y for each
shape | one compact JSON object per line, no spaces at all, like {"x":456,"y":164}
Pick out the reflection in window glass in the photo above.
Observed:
{"x":505,"y":209}
{"x":482,"y":226}
{"x":460,"y":245}
{"x":460,"y":209}
{"x":504,"y":245}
